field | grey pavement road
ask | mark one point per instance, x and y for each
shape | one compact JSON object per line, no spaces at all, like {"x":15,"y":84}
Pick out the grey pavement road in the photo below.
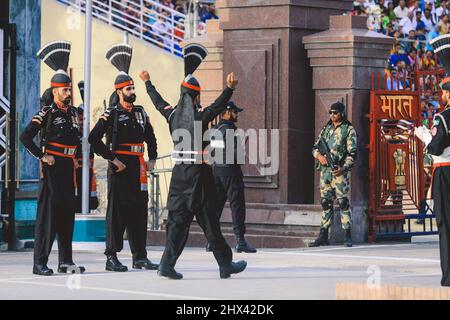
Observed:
{"x":288,"y":274}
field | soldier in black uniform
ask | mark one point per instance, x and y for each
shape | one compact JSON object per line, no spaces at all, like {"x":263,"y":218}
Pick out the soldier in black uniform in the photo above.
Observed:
{"x":127,"y":127}
{"x":192,"y":191}
{"x":57,"y":123}
{"x":438,"y":145}
{"x":93,"y":199}
{"x":229,"y":177}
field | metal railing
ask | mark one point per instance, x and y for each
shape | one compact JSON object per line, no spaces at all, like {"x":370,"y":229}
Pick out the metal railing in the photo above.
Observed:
{"x":157,"y":203}
{"x":146,"y":19}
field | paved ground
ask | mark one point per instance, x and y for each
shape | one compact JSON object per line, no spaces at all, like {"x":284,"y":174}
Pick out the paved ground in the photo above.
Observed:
{"x":271,"y":274}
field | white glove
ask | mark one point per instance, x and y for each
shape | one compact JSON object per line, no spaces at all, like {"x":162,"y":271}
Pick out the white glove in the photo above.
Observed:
{"x":424,"y":134}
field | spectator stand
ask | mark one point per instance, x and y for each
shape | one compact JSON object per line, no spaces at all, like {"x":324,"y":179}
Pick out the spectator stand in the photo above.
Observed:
{"x":148,"y":20}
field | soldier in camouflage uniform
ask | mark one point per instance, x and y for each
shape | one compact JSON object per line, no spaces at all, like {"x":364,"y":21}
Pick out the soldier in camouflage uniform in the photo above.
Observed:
{"x":340,"y":136}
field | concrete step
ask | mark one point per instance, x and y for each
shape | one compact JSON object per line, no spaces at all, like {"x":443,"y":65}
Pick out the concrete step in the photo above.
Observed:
{"x":197,"y":239}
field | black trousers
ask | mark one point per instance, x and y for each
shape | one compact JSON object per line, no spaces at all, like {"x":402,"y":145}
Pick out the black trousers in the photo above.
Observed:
{"x":178,"y":224}
{"x":441,"y":199}
{"x":232,"y":188}
{"x":55,"y":212}
{"x":134,"y":219}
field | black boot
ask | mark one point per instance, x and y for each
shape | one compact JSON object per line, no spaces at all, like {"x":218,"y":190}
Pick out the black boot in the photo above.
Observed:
{"x":169,"y":272}
{"x":322,"y":239}
{"x":42,"y":270}
{"x":113,"y":264}
{"x":234,"y":267}
{"x":243,"y":246}
{"x":208,"y":247}
{"x":70,"y":268}
{"x":144,"y":264}
{"x":348,"y":238}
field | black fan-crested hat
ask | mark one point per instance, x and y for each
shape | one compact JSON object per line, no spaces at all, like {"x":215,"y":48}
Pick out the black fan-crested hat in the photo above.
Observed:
{"x":441,"y":46}
{"x":56,"y":55}
{"x":194,"y":54}
{"x":120,"y":57}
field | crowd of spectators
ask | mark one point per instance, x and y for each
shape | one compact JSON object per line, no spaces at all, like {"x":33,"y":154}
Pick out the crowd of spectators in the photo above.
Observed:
{"x":161,"y":22}
{"x":412,"y":24}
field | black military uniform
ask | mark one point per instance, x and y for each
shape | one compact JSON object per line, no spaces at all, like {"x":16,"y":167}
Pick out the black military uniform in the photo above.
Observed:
{"x":229,"y":179}
{"x":93,"y":198}
{"x":192,"y":190}
{"x":126,"y":127}
{"x":58,"y":125}
{"x":439,"y":148}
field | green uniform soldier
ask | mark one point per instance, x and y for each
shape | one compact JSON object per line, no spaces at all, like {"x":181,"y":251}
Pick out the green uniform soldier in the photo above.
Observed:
{"x":335,"y":150}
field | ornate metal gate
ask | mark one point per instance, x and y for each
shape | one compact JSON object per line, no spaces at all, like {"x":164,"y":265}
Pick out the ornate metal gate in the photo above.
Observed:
{"x":400,"y":172}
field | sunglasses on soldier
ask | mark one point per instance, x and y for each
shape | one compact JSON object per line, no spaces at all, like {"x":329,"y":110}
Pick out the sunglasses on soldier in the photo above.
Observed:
{"x":333,"y":112}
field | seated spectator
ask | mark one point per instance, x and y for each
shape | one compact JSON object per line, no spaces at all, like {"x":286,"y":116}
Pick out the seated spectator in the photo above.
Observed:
{"x":391,"y":12}
{"x":401,"y":11}
{"x":397,"y":55}
{"x":443,"y":24}
{"x":412,"y":58}
{"x":439,"y":12}
{"x":420,"y":23}
{"x":408,"y":23}
{"x":410,"y":42}
{"x":427,"y":62}
{"x":428,"y":20}
{"x":393,"y":82}
{"x":210,"y":13}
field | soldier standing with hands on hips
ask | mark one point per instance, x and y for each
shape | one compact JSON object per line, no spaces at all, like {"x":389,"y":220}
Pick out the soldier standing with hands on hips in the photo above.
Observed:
{"x":126,"y":127}
{"x":57,"y":123}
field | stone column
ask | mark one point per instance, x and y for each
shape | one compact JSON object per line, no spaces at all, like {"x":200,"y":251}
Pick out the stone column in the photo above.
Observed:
{"x":343,"y":59}
{"x":210,"y":72}
{"x":262,"y":41}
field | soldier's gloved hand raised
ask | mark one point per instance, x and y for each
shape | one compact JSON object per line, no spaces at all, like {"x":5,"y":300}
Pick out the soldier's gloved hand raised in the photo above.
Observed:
{"x":144,"y":75}
{"x":120,"y":166}
{"x":48,"y":159}
{"x":323,"y":161}
{"x":232,"y":81}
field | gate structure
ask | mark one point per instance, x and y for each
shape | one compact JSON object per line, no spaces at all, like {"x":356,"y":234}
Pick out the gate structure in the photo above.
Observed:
{"x":8,"y":164}
{"x":400,"y":171}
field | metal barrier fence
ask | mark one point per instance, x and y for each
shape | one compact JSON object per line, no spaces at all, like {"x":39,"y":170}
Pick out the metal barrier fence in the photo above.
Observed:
{"x":157,"y":199}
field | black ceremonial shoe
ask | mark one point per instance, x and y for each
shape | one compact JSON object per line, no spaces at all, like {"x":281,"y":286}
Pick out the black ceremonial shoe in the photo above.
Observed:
{"x":113,"y":264}
{"x":169,"y":273}
{"x":144,"y":264}
{"x":234,"y":267}
{"x":70,"y":268}
{"x":208,"y":247}
{"x":42,"y":270}
{"x":243,"y":246}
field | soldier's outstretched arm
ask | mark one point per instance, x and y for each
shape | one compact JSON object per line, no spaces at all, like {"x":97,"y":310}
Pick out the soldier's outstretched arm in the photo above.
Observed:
{"x":161,"y":105}
{"x":439,"y":133}
{"x":96,"y":136}
{"x":31,"y":131}
{"x":349,"y":161}
{"x":218,"y":106}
